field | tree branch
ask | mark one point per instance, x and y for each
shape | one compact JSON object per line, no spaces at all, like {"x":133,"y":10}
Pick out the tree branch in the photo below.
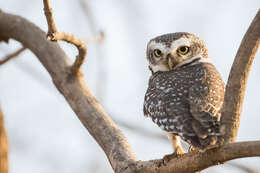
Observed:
{"x":196,"y":161}
{"x":75,"y":91}
{"x":236,"y":85}
{"x":54,"y":35}
{"x":50,"y":20}
{"x":97,"y":122}
{"x":11,"y":56}
{"x":3,"y":146}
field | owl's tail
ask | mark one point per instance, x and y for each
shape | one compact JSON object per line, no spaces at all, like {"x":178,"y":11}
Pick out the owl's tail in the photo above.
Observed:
{"x":213,"y":138}
{"x":208,"y":131}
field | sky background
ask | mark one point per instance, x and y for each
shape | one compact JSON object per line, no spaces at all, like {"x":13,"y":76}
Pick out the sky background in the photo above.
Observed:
{"x":44,"y":133}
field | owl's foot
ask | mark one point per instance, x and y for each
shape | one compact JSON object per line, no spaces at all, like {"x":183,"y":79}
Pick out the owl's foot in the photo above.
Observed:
{"x":177,"y":153}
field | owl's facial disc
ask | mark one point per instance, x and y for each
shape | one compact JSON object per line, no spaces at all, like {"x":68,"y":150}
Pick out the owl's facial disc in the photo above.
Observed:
{"x":166,"y":54}
{"x":164,"y":57}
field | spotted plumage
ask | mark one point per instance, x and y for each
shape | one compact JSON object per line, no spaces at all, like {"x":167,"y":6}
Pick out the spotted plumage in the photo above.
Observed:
{"x":185,"y":92}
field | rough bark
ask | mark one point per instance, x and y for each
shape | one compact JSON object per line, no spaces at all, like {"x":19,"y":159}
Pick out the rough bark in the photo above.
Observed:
{"x":3,"y":146}
{"x":98,"y":123}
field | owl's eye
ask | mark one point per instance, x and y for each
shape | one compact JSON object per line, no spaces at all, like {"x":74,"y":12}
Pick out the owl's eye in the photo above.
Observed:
{"x":157,"y":52}
{"x":183,"y":50}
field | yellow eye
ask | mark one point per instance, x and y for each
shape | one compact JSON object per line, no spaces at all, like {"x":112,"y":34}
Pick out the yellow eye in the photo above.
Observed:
{"x":157,"y":52}
{"x":183,"y":50}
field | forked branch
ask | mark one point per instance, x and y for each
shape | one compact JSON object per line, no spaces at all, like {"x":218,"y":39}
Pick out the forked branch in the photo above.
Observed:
{"x":54,"y":35}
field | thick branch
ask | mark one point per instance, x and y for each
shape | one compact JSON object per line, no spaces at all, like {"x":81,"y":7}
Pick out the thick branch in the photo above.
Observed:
{"x":77,"y":94}
{"x":3,"y":146}
{"x":11,"y":56}
{"x":54,"y":35}
{"x":238,"y":76}
{"x":192,"y":162}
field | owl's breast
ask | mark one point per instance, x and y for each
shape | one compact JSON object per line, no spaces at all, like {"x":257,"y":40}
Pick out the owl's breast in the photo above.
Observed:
{"x":166,"y":100}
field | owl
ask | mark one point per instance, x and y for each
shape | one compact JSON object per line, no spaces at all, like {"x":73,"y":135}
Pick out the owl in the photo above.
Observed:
{"x":185,"y":91}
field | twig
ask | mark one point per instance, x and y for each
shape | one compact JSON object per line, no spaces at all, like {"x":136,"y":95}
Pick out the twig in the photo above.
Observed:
{"x":54,"y":35}
{"x":12,"y":55}
{"x":97,"y":39}
{"x":52,"y":30}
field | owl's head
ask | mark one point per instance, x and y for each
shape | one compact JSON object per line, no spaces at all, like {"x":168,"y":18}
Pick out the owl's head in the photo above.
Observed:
{"x":175,"y":50}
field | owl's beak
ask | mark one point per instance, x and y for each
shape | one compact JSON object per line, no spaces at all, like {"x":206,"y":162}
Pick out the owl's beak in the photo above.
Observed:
{"x":170,"y":61}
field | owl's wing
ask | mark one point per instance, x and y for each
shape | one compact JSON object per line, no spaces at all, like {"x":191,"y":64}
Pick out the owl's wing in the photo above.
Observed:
{"x":205,"y":100}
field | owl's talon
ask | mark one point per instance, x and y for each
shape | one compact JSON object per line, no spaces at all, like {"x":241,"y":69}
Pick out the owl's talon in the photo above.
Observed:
{"x":177,"y":153}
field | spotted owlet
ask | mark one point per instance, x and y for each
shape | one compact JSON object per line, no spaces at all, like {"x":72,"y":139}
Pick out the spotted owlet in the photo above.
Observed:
{"x":185,"y":92}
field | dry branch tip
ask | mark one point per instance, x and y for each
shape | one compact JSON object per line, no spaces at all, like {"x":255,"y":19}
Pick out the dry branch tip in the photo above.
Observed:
{"x":11,"y":56}
{"x":54,"y":35}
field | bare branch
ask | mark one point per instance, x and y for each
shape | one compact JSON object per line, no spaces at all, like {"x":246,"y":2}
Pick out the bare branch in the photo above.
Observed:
{"x":11,"y":56}
{"x":52,"y":30}
{"x":75,"y":91}
{"x":54,"y":35}
{"x":238,"y":76}
{"x":3,"y":146}
{"x":196,"y":161}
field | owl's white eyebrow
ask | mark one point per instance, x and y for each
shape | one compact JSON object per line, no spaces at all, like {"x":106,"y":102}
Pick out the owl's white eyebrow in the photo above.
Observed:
{"x":180,"y":42}
{"x":156,"y":45}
